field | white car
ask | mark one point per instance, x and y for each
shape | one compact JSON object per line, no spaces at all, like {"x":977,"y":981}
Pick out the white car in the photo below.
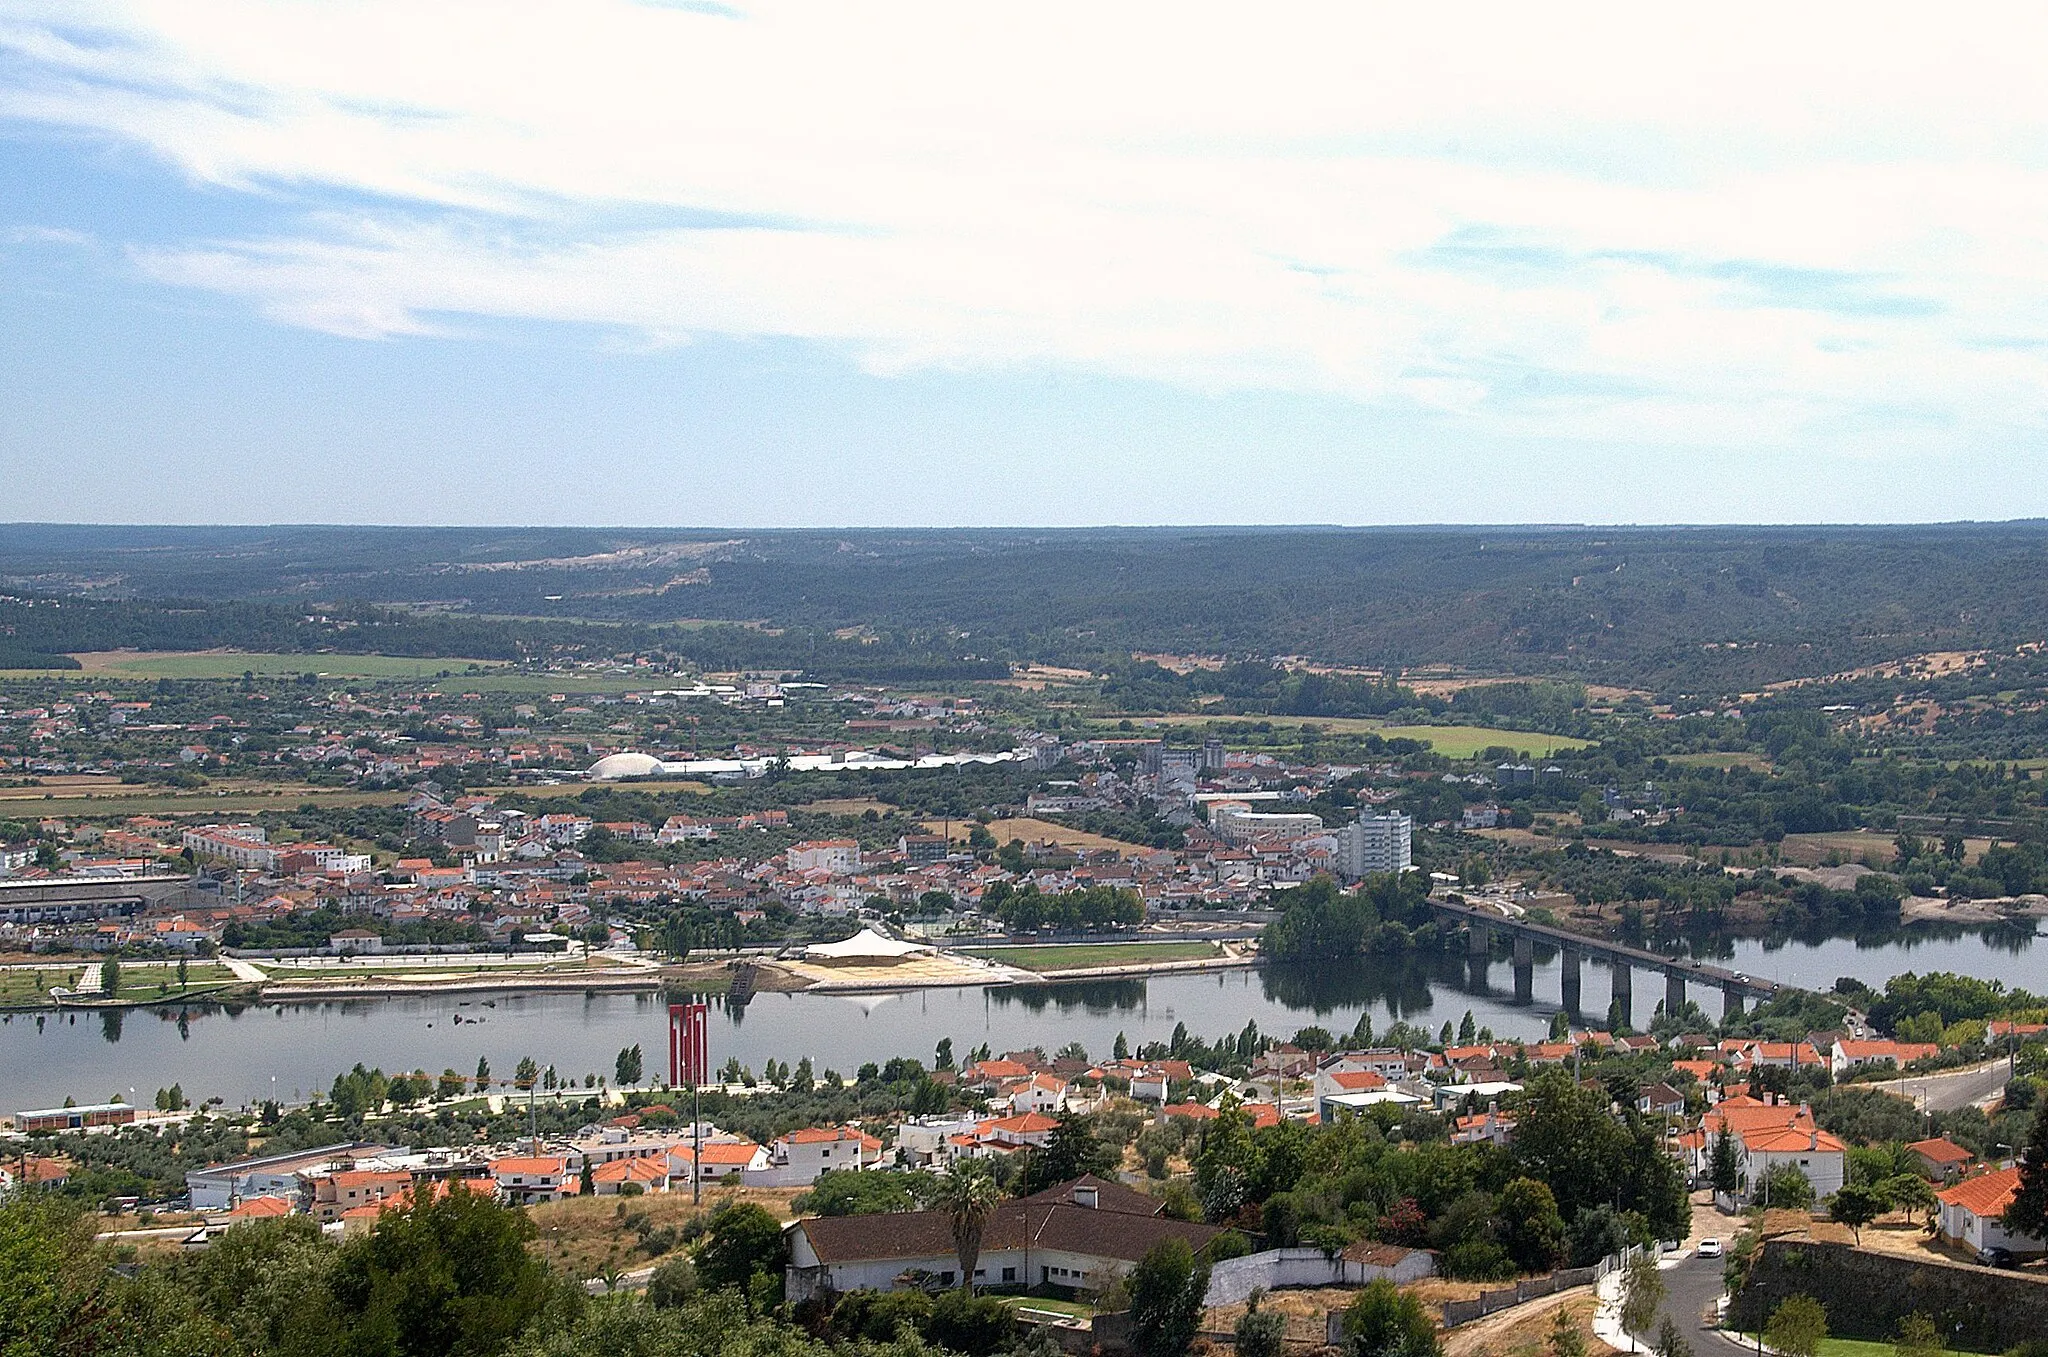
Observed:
{"x":1709,"y":1248}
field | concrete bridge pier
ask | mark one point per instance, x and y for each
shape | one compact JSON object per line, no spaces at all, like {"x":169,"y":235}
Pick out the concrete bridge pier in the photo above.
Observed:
{"x":1570,"y":977}
{"x":1478,"y":938}
{"x":1525,"y":969}
{"x":1674,"y":992}
{"x":1475,"y":973}
{"x":1622,"y":989}
{"x":1731,"y":1001}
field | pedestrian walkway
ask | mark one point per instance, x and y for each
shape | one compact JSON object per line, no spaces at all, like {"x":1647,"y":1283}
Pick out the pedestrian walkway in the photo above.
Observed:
{"x":89,"y":983}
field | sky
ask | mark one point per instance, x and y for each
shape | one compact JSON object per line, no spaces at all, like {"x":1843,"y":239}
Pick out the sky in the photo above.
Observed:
{"x":684,"y":262}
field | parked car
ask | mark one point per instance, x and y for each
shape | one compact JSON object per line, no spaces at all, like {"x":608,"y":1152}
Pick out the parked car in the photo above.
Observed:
{"x":1710,"y":1248}
{"x":1996,"y":1257}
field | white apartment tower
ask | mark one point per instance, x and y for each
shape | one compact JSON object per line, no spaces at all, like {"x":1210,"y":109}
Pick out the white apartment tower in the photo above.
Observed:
{"x":1376,"y":843}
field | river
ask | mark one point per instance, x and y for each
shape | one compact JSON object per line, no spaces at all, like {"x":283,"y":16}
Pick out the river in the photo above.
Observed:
{"x":292,"y":1050}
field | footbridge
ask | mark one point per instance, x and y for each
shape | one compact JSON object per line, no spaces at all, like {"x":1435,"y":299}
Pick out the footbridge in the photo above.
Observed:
{"x":1622,"y":962}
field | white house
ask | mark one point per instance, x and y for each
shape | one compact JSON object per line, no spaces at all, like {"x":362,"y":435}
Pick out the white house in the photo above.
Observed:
{"x":1971,"y":1214}
{"x":1821,"y":1157}
{"x":1081,"y":1236}
{"x":807,"y":1153}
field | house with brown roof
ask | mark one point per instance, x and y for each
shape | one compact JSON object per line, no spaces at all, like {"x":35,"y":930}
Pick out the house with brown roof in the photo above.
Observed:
{"x":1080,"y":1236}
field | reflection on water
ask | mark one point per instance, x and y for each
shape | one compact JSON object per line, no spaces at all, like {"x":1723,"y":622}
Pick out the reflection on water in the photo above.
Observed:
{"x":237,"y":1052}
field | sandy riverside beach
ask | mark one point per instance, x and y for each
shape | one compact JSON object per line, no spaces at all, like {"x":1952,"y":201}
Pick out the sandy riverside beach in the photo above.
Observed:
{"x":955,"y":971}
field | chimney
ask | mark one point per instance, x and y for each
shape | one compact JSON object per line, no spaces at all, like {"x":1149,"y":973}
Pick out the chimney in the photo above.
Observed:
{"x":1813,"y":1140}
{"x":1085,"y":1196}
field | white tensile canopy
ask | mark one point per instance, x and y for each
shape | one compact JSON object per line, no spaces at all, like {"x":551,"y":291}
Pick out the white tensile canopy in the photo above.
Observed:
{"x":866,"y":945}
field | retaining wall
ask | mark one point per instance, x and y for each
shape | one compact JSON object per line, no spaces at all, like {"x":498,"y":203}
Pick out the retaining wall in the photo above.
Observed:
{"x":1867,"y":1293}
{"x":1234,"y":1279}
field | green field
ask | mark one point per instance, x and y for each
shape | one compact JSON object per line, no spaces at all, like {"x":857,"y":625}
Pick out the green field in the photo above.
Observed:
{"x":1457,"y":742}
{"x":1463,"y":742}
{"x":370,"y":969}
{"x":147,"y":801}
{"x":153,"y":984}
{"x":1074,"y":956}
{"x":20,"y":987}
{"x":1860,"y":1347}
{"x":1756,"y":761}
{"x":234,"y":664}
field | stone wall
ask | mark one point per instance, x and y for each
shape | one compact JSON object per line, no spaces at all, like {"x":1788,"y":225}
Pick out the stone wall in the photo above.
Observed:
{"x":1866,"y":1294}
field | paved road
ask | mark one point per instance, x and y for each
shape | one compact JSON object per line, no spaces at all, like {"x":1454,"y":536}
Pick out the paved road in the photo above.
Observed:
{"x":1692,"y":1286}
{"x":1953,"y":1089}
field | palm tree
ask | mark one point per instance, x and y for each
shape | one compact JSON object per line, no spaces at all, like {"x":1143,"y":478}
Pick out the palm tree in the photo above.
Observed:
{"x":969,"y":1196}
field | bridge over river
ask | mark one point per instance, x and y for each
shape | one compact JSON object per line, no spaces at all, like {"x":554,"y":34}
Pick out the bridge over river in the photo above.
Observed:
{"x":1483,"y":925}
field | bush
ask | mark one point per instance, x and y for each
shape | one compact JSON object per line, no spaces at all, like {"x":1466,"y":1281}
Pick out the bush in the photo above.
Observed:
{"x":671,"y":1283}
{"x":975,"y":1325}
{"x":1261,"y":1333}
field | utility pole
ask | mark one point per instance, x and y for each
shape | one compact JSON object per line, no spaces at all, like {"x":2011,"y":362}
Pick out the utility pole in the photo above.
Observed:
{"x":696,"y":1143}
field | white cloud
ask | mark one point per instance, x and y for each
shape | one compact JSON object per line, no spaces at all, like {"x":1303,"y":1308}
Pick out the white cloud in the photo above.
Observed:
{"x":1746,"y":224}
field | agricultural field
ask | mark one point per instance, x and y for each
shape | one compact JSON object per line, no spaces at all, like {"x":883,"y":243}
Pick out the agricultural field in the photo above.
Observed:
{"x":1033,"y":830}
{"x":1080,"y":955}
{"x":228,"y":664}
{"x":1810,"y":850}
{"x":136,"y":800}
{"x":1464,"y":742}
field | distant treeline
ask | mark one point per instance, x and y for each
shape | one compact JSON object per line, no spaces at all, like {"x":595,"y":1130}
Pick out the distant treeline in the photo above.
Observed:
{"x":1681,"y":611}
{"x":37,"y":633}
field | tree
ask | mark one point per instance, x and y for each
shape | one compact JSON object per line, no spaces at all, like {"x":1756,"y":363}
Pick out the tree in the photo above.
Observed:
{"x":1531,"y":1228}
{"x":742,"y":1248}
{"x":2028,"y":1211}
{"x":1670,"y":1342}
{"x":110,"y":978}
{"x":1908,"y":1192}
{"x":1560,"y":1025}
{"x":184,"y":973}
{"x":1797,"y":1327}
{"x":1856,"y":1205}
{"x":1724,"y":1166}
{"x":527,"y":1074}
{"x":1468,"y":1029}
{"x":1071,"y":1150}
{"x":449,"y":1085}
{"x":1167,"y":1288}
{"x":441,"y":1275}
{"x":483,"y":1074}
{"x":942,"y":1058}
{"x":1784,"y":1185}
{"x":1260,"y":1333}
{"x":627,"y":1068}
{"x":1565,"y":1338}
{"x":671,"y":1283}
{"x":968,"y":1197}
{"x":1122,"y":1049}
{"x":1917,"y":1337}
{"x":1642,"y":1294}
{"x":1385,"y":1321}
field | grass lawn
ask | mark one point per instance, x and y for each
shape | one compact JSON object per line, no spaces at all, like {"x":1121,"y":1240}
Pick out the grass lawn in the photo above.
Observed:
{"x":33,"y":987}
{"x":214,"y":664}
{"x":1463,"y":742}
{"x":1072,"y":1309}
{"x":149,"y":984}
{"x":1858,"y":1347}
{"x":1074,"y":956}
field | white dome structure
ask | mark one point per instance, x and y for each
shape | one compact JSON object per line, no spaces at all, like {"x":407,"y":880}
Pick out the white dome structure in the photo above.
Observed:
{"x":614,"y":766}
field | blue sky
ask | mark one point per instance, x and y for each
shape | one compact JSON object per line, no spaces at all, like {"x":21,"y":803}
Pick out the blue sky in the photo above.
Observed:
{"x":796,"y":264}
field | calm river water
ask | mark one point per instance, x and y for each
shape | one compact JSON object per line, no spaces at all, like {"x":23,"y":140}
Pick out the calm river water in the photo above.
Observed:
{"x":288,"y":1052}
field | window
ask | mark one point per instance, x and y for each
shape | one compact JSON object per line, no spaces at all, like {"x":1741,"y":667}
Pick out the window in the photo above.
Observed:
{"x":1009,"y":1274}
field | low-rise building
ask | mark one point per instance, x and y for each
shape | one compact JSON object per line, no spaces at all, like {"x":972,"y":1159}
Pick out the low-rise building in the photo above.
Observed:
{"x":1971,"y":1216}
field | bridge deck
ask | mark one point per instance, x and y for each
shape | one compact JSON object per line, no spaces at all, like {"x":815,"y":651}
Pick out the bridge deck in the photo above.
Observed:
{"x":1717,"y":976}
